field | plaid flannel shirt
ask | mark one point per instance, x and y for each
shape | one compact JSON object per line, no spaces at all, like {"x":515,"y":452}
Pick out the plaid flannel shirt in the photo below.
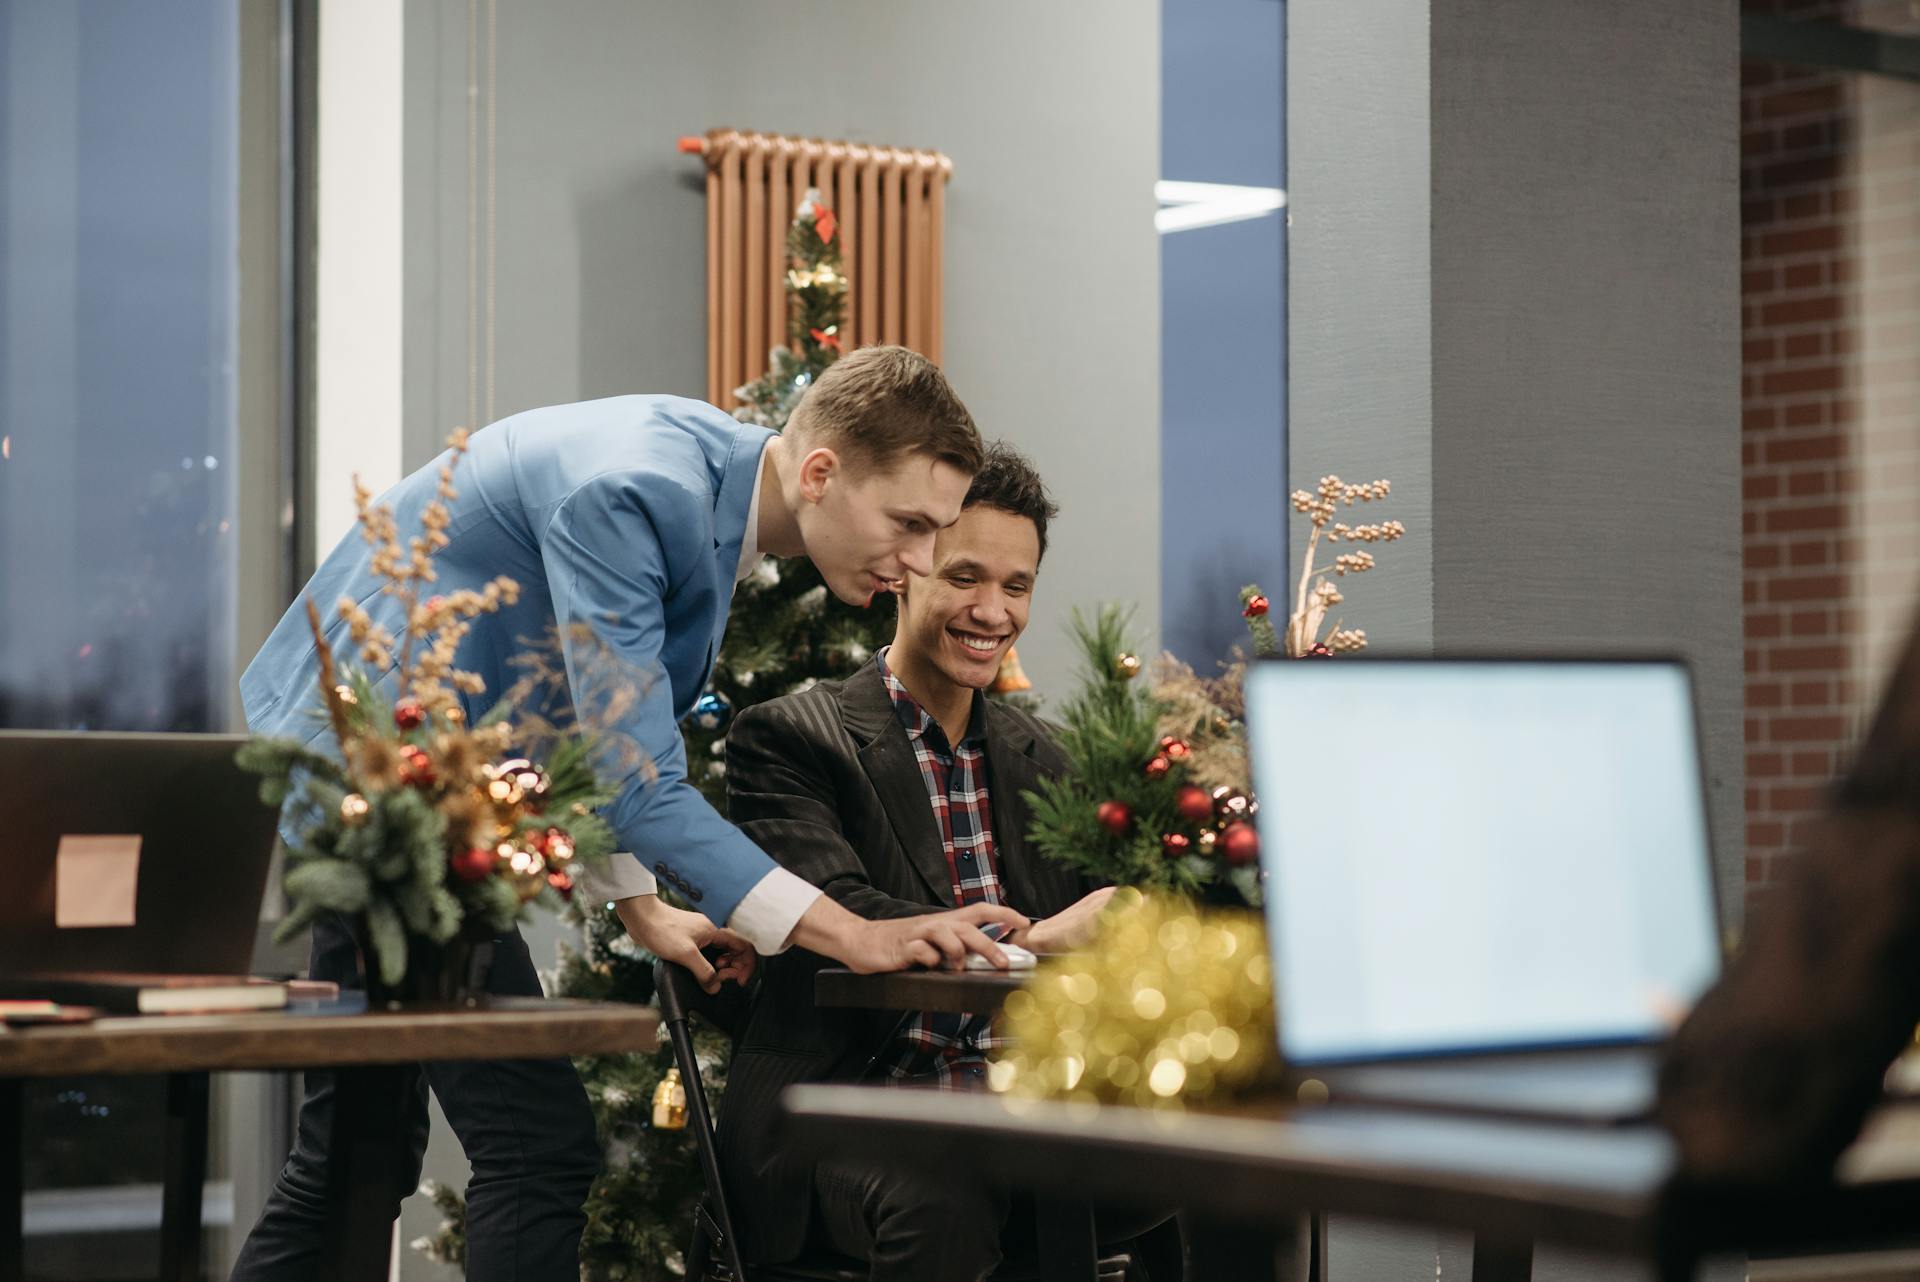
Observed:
{"x":935,"y":1049}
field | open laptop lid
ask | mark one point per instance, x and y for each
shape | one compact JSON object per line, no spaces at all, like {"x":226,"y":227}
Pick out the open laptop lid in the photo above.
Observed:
{"x":203,"y":840}
{"x":1480,"y":855}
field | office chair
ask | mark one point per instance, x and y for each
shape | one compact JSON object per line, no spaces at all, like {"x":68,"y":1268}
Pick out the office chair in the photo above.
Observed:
{"x":714,"y":1255}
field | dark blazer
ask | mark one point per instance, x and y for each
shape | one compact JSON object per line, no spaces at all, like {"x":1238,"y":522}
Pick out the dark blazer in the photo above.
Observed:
{"x":1773,"y":1073}
{"x":825,"y":781}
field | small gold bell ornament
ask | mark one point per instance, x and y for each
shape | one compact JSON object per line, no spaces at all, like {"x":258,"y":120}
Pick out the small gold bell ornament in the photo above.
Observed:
{"x":670,"y":1103}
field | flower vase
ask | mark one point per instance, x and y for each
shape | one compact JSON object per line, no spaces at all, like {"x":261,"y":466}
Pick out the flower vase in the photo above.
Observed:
{"x":450,"y":974}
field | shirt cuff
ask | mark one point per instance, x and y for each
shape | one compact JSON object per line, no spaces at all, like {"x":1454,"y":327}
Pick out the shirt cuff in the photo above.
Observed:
{"x":622,"y":877}
{"x":767,"y":914}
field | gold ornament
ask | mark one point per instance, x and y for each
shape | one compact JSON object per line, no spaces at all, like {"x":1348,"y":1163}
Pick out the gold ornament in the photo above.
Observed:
{"x":516,"y":782}
{"x":670,"y":1103}
{"x":1168,"y":1006}
{"x":824,"y":275}
{"x":527,"y":868}
{"x":1011,"y":678}
{"x":353,"y":809}
{"x":1126,"y":666}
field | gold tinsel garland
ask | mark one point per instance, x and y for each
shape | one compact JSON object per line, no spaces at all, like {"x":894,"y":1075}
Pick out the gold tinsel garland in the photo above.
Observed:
{"x":1169,"y":1005}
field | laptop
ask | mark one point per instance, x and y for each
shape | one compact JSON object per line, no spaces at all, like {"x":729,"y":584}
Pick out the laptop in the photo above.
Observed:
{"x":1489,"y":883}
{"x":152,"y":849}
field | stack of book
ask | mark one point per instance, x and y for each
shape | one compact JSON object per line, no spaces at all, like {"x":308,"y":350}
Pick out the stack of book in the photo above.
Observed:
{"x":122,"y":993}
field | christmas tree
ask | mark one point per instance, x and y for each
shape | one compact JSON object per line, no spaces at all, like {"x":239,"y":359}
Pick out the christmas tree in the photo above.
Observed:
{"x":1158,"y":795}
{"x":785,"y":632}
{"x":816,"y":309}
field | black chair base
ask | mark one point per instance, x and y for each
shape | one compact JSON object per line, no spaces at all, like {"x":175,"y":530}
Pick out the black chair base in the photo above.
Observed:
{"x":715,"y":1254}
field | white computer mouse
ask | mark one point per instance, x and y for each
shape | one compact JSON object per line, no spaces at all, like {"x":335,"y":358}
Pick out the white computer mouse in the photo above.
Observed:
{"x":1018,"y":958}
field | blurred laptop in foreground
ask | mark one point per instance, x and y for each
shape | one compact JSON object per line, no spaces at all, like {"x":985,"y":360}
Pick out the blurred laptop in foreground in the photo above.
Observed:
{"x":1489,"y":884}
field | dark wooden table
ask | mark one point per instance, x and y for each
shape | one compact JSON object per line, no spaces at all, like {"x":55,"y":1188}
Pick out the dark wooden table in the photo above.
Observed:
{"x":1065,"y":1224}
{"x":365,"y":1049}
{"x":1510,"y":1184}
{"x":952,"y":992}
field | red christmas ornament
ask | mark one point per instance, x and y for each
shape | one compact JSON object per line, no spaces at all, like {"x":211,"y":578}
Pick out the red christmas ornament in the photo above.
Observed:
{"x":826,"y":338}
{"x":562,"y":883}
{"x":473,"y":864}
{"x":416,"y":767}
{"x":1115,"y":816}
{"x":1193,"y":803}
{"x":1175,"y":844}
{"x":1239,"y":843}
{"x":1228,"y":804}
{"x":1176,"y":749}
{"x":1158,"y":767}
{"x":825,"y":224}
{"x":1320,"y":651}
{"x":409,"y":715}
{"x":1257,"y":605}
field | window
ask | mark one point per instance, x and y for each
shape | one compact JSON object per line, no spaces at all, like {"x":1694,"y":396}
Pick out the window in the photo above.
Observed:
{"x":141,"y":536}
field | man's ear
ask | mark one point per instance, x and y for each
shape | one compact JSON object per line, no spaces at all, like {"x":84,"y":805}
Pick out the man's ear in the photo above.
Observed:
{"x":818,"y":467}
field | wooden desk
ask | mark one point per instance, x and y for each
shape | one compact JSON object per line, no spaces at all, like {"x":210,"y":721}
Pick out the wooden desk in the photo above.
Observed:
{"x":1068,"y":1249}
{"x":1509,"y":1183}
{"x":952,"y":992}
{"x":365,"y":1048}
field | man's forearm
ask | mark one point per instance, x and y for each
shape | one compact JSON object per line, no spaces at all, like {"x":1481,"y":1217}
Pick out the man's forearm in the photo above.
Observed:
{"x":827,"y":928}
{"x":635,"y":911}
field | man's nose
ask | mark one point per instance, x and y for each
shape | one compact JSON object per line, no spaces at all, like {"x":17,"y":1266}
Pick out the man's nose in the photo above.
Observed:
{"x":989,"y":609}
{"x":917,"y":556}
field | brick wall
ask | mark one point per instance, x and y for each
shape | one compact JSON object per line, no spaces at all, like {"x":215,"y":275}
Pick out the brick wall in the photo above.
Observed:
{"x":1797,"y":466}
{"x":1830,"y":296}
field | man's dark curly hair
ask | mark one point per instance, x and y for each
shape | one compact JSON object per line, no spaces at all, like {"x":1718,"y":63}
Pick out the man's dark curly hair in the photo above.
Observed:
{"x":1007,"y":481}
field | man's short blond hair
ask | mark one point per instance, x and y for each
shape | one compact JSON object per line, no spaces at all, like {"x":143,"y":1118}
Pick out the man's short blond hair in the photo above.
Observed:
{"x":875,"y":405}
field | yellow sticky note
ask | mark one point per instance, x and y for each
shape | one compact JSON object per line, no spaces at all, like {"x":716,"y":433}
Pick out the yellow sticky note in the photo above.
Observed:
{"x":96,"y":880}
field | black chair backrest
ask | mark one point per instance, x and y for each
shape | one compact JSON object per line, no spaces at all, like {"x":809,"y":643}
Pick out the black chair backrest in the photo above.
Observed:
{"x":680,"y":996}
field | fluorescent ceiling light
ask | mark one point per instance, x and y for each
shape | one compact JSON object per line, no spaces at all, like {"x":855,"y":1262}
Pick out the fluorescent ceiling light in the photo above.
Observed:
{"x":1186,"y":206}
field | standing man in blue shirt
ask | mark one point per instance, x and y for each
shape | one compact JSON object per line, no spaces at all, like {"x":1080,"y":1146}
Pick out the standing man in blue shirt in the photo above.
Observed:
{"x":634,"y":518}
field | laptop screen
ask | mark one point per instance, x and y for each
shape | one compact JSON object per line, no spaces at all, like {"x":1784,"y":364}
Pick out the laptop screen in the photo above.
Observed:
{"x":1470,"y":855}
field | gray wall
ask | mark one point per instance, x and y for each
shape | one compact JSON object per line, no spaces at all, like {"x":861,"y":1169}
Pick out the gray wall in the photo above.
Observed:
{"x":1051,"y":115}
{"x":1515,"y":254}
{"x":1513,"y":266}
{"x":1586,"y":345}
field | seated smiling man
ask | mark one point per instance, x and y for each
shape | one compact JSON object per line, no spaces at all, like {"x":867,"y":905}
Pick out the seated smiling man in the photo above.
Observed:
{"x":898,"y":792}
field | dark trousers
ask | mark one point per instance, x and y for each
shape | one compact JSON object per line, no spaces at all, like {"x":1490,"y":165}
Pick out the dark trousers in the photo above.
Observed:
{"x":525,"y":1125}
{"x":916,"y":1225}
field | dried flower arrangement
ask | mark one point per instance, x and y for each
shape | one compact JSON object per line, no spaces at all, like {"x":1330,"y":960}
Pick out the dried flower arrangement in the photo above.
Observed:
{"x":1316,"y":593}
{"x":425,"y":828}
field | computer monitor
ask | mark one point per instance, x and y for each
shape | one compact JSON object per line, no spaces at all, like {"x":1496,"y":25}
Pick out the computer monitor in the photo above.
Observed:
{"x":193,"y":820}
{"x":1475,"y":855}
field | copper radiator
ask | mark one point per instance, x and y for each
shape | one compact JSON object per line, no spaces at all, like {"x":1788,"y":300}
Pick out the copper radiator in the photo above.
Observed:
{"x":890,"y":204}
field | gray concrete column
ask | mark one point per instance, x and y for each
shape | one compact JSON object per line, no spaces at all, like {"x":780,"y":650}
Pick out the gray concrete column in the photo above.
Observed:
{"x":1515,"y":291}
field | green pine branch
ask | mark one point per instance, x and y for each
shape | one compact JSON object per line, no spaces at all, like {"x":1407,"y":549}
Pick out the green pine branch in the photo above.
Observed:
{"x":1109,"y":730}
